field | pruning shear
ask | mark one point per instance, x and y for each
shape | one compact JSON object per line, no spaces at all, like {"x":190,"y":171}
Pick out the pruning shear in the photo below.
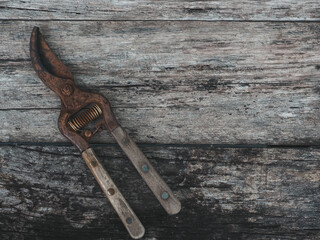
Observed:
{"x":78,"y":109}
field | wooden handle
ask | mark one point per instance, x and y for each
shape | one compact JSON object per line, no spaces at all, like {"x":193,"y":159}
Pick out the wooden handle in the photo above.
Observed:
{"x":126,"y":214}
{"x":160,"y":189}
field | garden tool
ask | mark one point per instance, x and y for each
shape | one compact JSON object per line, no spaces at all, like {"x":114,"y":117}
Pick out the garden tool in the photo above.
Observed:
{"x":78,"y":109}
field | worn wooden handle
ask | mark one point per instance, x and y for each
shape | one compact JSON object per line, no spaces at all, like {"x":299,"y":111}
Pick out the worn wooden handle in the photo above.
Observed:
{"x":126,"y":214}
{"x":160,"y":189}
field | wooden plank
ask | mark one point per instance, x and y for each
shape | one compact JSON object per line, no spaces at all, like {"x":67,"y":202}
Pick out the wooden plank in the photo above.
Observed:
{"x":172,"y":82}
{"x":289,"y":10}
{"x":200,"y":126}
{"x":164,"y":63}
{"x":47,"y":192}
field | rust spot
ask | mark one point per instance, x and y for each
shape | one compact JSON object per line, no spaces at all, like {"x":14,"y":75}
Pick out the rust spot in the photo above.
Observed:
{"x":94,"y":163}
{"x":111,"y":191}
{"x":67,"y":90}
{"x":59,"y":79}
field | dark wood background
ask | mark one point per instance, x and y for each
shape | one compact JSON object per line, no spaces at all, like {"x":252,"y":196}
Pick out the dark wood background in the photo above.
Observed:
{"x":222,"y":96}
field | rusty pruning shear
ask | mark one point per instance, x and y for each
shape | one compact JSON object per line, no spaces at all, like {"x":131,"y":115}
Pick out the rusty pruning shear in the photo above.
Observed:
{"x":78,"y":109}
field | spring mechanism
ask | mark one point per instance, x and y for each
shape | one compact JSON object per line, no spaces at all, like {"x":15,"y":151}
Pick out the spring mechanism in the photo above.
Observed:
{"x":85,"y":117}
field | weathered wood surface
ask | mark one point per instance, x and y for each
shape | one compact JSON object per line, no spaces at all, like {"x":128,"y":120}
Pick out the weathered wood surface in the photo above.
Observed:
{"x":204,"y":98}
{"x":47,"y":192}
{"x":291,"y":10}
{"x":172,"y":82}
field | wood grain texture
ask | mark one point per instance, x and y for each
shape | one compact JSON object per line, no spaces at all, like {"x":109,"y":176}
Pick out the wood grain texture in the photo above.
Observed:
{"x":291,"y":10}
{"x":187,"y":78}
{"x":149,"y":174}
{"x":47,"y":192}
{"x":118,"y":202}
{"x":172,"y":82}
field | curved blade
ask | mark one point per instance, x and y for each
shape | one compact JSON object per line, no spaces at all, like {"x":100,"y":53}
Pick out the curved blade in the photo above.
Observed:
{"x":47,"y":65}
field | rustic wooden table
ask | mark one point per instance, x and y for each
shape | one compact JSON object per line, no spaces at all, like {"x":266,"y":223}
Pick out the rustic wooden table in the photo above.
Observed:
{"x":222,"y":96}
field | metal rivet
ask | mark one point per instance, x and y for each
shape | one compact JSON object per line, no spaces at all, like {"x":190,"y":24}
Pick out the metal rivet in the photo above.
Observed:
{"x":67,"y":89}
{"x":164,"y":195}
{"x":88,"y":133}
{"x":129,"y":220}
{"x":110,"y":191}
{"x":145,"y":168}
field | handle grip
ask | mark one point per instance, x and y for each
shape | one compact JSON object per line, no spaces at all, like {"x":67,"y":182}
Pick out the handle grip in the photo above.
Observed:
{"x":159,"y":188}
{"x":118,"y":202}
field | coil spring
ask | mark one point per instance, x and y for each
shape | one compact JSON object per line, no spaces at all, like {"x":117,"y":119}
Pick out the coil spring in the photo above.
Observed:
{"x":85,"y":117}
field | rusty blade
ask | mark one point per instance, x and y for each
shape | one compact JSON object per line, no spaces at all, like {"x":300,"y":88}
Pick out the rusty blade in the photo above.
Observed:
{"x":48,"y":66}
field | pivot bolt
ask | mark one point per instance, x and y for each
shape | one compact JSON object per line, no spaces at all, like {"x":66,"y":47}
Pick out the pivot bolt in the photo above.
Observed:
{"x":66,"y":89}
